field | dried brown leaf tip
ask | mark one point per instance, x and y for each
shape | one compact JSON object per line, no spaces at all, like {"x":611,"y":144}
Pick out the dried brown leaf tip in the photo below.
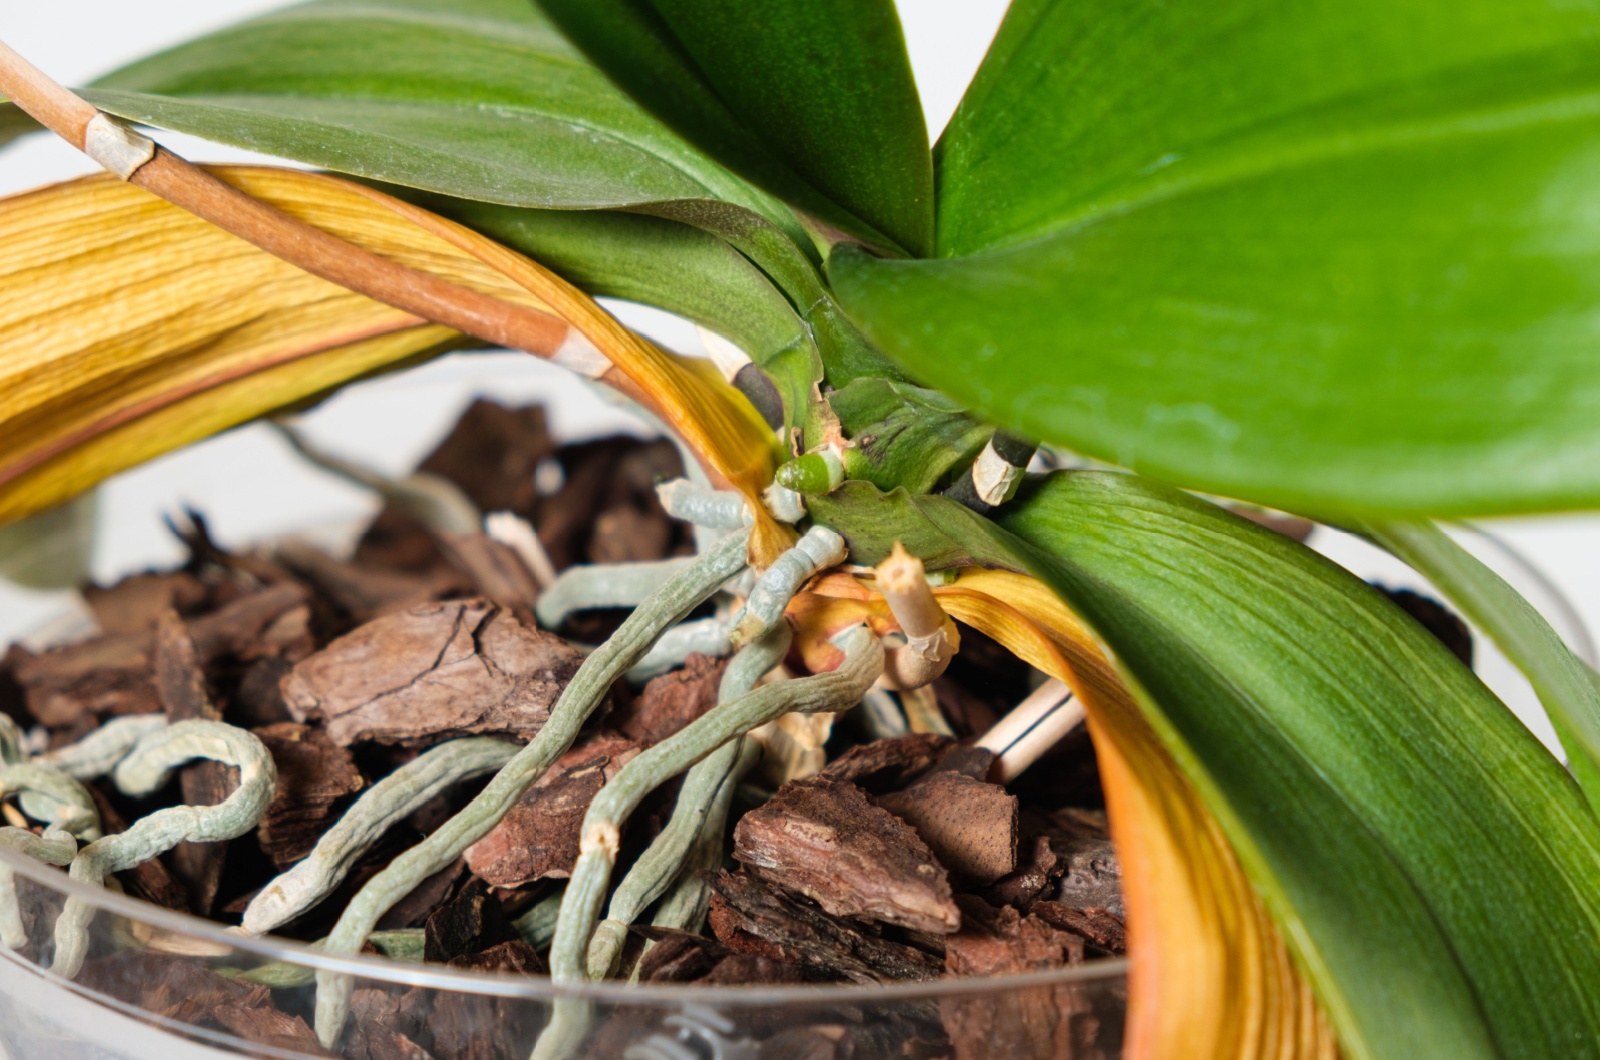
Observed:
{"x":538,"y":839}
{"x":315,"y":776}
{"x":465,"y":667}
{"x":824,"y":839}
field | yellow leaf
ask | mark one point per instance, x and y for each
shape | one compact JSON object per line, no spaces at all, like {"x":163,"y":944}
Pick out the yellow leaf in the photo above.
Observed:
{"x":132,"y":328}
{"x":1210,"y":975}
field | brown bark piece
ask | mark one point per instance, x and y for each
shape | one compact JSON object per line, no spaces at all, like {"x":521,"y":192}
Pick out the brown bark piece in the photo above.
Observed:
{"x":267,"y":1026}
{"x":382,"y":1028}
{"x":1093,"y":878}
{"x":671,"y":701}
{"x":684,"y":957}
{"x":425,"y":898}
{"x":258,"y":700}
{"x":888,"y":765}
{"x":366,"y":592}
{"x":512,"y":957}
{"x":538,"y":838}
{"x":1100,"y":926}
{"x":495,"y":570}
{"x":824,"y":839}
{"x":970,"y":826}
{"x":492,"y":453}
{"x":433,"y":672}
{"x":1036,"y":871}
{"x":181,"y":687}
{"x":1042,"y":1021}
{"x":134,"y":604}
{"x":272,"y":621}
{"x":107,"y":675}
{"x":606,"y":510}
{"x":469,"y":923}
{"x":314,"y":776}
{"x":750,"y":916}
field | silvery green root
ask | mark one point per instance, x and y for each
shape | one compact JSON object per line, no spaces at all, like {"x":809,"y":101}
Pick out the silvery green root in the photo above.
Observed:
{"x":705,"y":636}
{"x":659,"y":865}
{"x":818,"y":549}
{"x":703,"y":506}
{"x":665,"y":607}
{"x":51,"y":796}
{"x":604,"y":585}
{"x":99,"y":752}
{"x":146,"y":769}
{"x":836,"y":691}
{"x":56,"y":847}
{"x":387,"y":802}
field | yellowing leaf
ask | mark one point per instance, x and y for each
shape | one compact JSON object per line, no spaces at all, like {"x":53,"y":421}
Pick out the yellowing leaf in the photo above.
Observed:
{"x":1210,"y":974}
{"x":133,"y":328}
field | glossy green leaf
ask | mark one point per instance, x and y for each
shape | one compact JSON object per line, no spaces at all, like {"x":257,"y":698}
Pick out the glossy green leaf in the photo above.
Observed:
{"x":1563,"y":683}
{"x":904,"y":435}
{"x":1329,"y":256}
{"x":1435,"y":870}
{"x":813,"y":99}
{"x":481,"y":99}
{"x":14,"y":123}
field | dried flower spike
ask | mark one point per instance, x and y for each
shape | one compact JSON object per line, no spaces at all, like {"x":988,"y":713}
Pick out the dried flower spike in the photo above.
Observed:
{"x":665,"y":607}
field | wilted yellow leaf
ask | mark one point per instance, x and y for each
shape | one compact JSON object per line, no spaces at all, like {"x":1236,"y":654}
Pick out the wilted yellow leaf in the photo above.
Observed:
{"x":131,"y":328}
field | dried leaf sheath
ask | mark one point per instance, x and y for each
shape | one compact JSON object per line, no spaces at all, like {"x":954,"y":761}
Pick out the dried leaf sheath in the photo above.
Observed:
{"x":195,"y":330}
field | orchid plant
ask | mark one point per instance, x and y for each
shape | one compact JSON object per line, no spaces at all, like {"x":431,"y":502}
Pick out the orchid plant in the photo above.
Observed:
{"x":1339,"y":259}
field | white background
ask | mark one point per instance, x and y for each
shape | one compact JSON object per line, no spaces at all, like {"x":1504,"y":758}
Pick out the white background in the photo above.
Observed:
{"x":247,"y":483}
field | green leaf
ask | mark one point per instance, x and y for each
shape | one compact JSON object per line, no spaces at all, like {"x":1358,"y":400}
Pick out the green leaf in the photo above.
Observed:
{"x":1334,"y":256}
{"x":14,"y":123}
{"x":936,"y":530}
{"x":53,"y":549}
{"x":481,"y":99}
{"x":813,"y":99}
{"x":1434,"y":869}
{"x":904,"y":435}
{"x":1563,"y":683}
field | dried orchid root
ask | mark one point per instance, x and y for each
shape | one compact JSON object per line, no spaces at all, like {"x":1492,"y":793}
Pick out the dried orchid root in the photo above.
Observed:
{"x":703,"y":506}
{"x":664,"y":608}
{"x":387,"y":802}
{"x":144,"y":771}
{"x":703,"y":636}
{"x":817,"y":550}
{"x":56,"y":847}
{"x":604,"y":585}
{"x":1033,"y":727}
{"x":658,"y":866}
{"x":931,"y":637}
{"x":432,"y":500}
{"x":835,"y":691}
{"x":99,"y":752}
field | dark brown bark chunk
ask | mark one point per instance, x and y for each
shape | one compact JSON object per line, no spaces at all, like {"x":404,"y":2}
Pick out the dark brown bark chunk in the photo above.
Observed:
{"x":365,"y":592}
{"x":1042,"y":1021}
{"x":538,"y":838}
{"x":272,"y":621}
{"x":888,"y":765}
{"x":671,"y":701}
{"x":684,"y":957}
{"x":106,"y":675}
{"x":495,"y":570}
{"x":314,"y":776}
{"x":512,"y":957}
{"x":181,"y":687}
{"x":134,"y":604}
{"x":606,"y":510}
{"x":425,"y":898}
{"x":492,"y":453}
{"x":1093,"y":878}
{"x":970,"y":826}
{"x":1101,"y":927}
{"x":824,"y":839}
{"x":750,"y":916}
{"x":469,"y":923}
{"x":433,"y":672}
{"x":383,"y":1026}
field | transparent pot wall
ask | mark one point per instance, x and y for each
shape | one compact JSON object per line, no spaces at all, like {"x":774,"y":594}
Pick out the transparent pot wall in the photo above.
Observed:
{"x":161,"y":986}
